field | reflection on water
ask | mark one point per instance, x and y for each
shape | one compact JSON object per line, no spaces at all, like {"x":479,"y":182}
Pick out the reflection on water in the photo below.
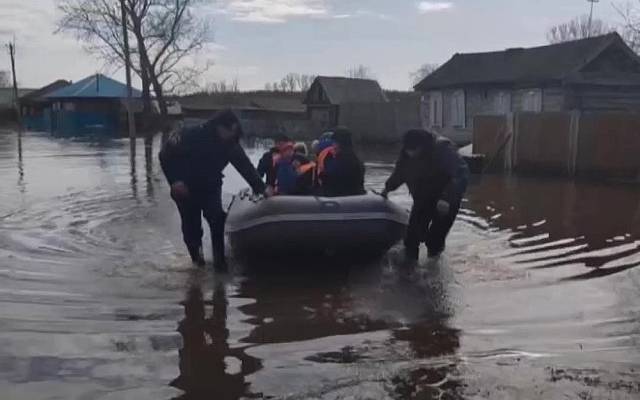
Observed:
{"x":21,"y":184}
{"x":209,"y":367}
{"x":537,"y":296}
{"x":554,"y":223}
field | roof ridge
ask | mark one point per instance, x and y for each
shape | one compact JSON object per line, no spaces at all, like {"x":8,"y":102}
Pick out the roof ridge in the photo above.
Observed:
{"x":610,"y":35}
{"x":346,"y":78}
{"x":532,"y":65}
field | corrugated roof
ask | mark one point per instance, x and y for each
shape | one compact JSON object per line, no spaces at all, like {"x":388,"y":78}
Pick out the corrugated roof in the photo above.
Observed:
{"x":532,"y":65}
{"x":38,"y":95}
{"x":94,"y":86}
{"x":341,"y":90}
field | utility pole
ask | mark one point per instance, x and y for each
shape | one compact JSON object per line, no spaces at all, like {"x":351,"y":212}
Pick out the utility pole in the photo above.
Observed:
{"x":12,"y":55}
{"x":591,"y":15}
{"x":127,"y":61}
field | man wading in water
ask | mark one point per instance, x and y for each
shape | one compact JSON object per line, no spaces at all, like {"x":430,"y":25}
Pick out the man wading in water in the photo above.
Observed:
{"x":437,"y":178}
{"x":193,"y":160}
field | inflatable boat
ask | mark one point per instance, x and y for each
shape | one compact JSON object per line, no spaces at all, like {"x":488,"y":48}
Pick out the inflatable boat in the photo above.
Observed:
{"x":359,"y":226}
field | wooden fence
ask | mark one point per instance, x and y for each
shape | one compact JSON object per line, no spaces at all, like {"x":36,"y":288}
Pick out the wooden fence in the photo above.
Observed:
{"x":603,"y":144}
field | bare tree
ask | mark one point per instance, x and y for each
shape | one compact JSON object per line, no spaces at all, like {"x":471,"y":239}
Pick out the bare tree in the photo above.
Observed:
{"x":290,"y":81}
{"x":578,"y":28}
{"x":223,"y":87}
{"x":167,"y":33}
{"x":5,"y":79}
{"x":305,"y":82}
{"x":275,"y":86}
{"x":425,"y":70}
{"x":360,"y":72}
{"x":630,"y":29}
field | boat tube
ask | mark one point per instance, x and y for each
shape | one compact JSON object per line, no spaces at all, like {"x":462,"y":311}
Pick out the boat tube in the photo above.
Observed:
{"x":360,"y":226}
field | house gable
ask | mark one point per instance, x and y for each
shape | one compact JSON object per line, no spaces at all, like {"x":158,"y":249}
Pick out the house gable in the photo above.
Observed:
{"x":317,"y":95}
{"x":613,"y":59}
{"x":340,"y":90}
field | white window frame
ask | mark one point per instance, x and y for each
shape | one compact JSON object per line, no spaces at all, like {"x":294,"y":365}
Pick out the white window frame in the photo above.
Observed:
{"x":532,"y":100}
{"x":458,"y":109}
{"x":435,"y":109}
{"x":502,"y":104}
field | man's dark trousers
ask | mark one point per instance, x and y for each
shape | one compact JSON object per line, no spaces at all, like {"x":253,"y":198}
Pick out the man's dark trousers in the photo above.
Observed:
{"x":429,"y":227}
{"x":207,"y":203}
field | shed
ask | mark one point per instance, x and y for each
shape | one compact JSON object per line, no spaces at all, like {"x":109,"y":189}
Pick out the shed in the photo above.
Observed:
{"x":327,"y":94}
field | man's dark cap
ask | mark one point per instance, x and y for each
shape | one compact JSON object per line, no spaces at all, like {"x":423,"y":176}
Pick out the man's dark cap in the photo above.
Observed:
{"x":416,"y":139}
{"x":343,"y":137}
{"x":226,"y":118}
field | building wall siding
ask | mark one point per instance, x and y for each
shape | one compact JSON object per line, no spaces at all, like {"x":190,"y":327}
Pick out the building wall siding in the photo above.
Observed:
{"x":553,"y":99}
{"x":608,"y":99}
{"x":478,"y":102}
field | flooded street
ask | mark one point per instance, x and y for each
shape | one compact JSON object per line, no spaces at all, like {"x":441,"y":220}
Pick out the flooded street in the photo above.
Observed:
{"x":537,"y":297}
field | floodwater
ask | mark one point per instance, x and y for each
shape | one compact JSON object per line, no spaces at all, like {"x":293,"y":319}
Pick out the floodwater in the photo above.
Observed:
{"x":537,"y":297}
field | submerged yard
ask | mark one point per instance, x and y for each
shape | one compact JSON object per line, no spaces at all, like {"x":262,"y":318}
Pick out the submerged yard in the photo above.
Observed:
{"x":537,"y":296}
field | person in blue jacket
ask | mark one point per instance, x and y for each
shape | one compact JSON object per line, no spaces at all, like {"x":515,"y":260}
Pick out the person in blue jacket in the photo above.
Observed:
{"x":286,"y":175}
{"x":192,"y":160}
{"x":267,"y":164}
{"x":437,"y":177}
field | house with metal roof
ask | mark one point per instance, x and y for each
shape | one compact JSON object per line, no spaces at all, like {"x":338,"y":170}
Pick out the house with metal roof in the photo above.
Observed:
{"x":596,"y":74}
{"x":327,"y":94}
{"x":35,"y":107}
{"x":93,"y":105}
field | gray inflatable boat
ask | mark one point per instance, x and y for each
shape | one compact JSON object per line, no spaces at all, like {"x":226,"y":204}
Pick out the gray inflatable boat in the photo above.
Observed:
{"x":359,"y":226}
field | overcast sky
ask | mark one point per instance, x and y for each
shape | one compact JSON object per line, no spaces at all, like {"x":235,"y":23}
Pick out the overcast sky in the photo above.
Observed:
{"x":258,"y":41}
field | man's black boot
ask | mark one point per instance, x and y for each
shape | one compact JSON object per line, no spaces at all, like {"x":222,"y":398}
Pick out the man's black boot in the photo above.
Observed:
{"x":197,"y":255}
{"x":411,"y":255}
{"x":219,"y":259}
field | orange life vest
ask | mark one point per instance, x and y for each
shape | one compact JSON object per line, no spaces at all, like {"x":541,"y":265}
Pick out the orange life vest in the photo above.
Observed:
{"x":303,"y":169}
{"x":322,"y":157}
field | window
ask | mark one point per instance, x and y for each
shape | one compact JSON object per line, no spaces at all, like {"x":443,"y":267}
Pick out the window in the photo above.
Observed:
{"x":435,"y":109}
{"x":503,"y":103}
{"x":458,"y":114}
{"x":532,"y":100}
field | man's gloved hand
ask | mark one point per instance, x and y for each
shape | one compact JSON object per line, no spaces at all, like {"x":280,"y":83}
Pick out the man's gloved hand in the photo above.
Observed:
{"x":179,"y":191}
{"x":443,"y":207}
{"x":385,"y":193}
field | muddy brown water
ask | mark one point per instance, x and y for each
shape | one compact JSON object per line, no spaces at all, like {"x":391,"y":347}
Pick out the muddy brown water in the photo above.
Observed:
{"x":538,"y":295}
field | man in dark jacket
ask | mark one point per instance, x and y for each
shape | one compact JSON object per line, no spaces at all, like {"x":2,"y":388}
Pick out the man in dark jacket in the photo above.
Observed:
{"x":437,"y":178}
{"x":341,"y":173}
{"x":267,"y":164}
{"x":193,"y":160}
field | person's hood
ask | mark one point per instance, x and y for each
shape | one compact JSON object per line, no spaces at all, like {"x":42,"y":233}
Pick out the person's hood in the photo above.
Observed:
{"x":418,"y":139}
{"x":225,"y":118}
